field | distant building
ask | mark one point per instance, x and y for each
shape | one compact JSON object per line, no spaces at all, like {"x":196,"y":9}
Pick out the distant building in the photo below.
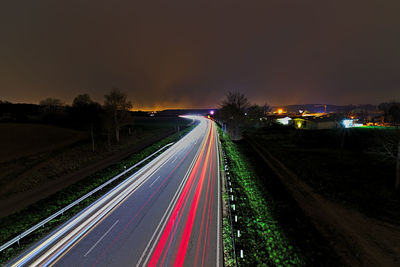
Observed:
{"x":316,"y":123}
{"x":284,"y":121}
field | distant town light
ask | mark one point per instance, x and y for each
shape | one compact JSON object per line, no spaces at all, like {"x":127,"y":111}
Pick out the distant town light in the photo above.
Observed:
{"x":299,"y":124}
{"x":284,"y":121}
{"x":347,"y":123}
{"x":212,"y":112}
{"x":280,"y":111}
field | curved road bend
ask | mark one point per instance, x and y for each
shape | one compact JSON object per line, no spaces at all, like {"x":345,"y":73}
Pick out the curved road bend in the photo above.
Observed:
{"x":166,"y":214}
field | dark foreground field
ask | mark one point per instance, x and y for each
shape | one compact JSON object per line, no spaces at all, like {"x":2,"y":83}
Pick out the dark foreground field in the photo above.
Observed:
{"x":362,"y":178}
{"x":38,"y":160}
{"x":19,"y":140}
{"x":347,"y":193}
{"x":314,"y":248}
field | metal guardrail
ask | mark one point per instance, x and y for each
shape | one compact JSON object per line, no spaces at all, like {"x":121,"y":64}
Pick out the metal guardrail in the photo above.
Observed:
{"x":48,"y":219}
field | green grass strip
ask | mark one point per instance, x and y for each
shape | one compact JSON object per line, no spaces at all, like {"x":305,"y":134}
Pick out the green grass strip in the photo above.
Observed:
{"x":261,"y":239}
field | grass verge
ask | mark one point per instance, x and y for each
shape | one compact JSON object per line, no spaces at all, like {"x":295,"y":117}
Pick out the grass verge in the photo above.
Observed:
{"x":262,"y":240}
{"x":16,"y":223}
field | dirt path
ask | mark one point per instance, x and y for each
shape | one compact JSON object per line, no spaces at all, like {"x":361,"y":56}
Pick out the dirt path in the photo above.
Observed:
{"x":21,"y":200}
{"x":359,"y":240}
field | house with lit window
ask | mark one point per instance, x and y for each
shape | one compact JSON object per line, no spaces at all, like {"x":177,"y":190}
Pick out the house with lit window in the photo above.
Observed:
{"x":316,"y":123}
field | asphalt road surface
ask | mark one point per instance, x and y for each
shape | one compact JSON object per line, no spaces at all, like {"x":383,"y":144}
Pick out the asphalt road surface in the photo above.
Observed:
{"x":167,"y":214}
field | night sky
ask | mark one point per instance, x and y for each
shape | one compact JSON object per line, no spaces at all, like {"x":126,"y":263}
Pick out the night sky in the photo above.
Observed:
{"x":188,"y":54}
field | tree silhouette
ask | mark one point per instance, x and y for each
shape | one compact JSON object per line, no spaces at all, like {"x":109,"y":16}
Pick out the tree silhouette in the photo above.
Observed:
{"x":117,"y":105}
{"x":52,"y":109}
{"x":233,"y":109}
{"x":86,"y":113}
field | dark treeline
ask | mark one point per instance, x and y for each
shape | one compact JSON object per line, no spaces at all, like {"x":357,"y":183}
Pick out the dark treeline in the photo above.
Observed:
{"x":391,"y":112}
{"x":83,"y":114}
{"x":237,"y":112}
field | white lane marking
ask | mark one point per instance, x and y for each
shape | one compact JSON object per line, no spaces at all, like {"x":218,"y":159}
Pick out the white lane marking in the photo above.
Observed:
{"x":174,"y":159}
{"x":154,"y":181}
{"x":101,"y":238}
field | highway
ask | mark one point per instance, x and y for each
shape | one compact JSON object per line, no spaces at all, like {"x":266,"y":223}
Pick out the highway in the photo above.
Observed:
{"x":166,"y":214}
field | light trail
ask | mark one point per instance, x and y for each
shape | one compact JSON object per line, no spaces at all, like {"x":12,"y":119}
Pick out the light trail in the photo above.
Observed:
{"x":165,"y":247}
{"x":126,"y":226}
{"x":167,"y":213}
{"x":189,"y":213}
{"x":209,"y":219}
{"x":174,"y":217}
{"x":193,"y":209}
{"x":201,"y":226}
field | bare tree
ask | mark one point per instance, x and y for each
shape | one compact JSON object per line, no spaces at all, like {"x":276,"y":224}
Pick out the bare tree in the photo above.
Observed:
{"x":266,"y":108}
{"x":82,"y":100}
{"x":391,"y":112}
{"x":52,"y":105}
{"x":233,"y":109}
{"x":86,"y":113}
{"x":117,"y":104}
{"x":51,"y":102}
{"x":235,"y":105}
{"x":108,"y":122}
{"x":52,"y":110}
{"x":394,"y":113}
{"x":255,"y":112}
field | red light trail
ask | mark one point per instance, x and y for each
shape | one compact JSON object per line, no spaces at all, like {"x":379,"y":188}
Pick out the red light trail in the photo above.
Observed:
{"x":134,"y":217}
{"x":200,"y":182}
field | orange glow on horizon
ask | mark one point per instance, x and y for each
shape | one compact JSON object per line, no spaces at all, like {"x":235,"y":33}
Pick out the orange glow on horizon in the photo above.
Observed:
{"x":161,"y":107}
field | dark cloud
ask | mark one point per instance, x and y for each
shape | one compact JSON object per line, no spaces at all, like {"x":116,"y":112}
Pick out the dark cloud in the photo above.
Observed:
{"x":189,"y":53}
